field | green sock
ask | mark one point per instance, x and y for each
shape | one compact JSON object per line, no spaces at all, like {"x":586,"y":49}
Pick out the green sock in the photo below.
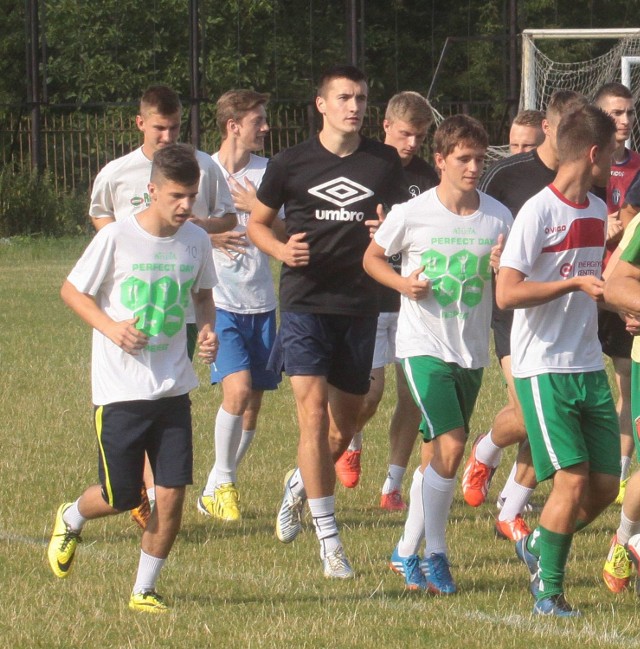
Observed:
{"x":533,"y":542}
{"x":580,"y":525}
{"x":554,"y":551}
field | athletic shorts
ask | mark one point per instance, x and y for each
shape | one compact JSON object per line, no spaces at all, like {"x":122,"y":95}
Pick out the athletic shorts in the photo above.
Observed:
{"x":445,"y":393}
{"x":616,"y":341}
{"x":338,"y":347}
{"x":245,"y":344}
{"x":635,"y":405}
{"x":128,"y":429}
{"x":501,"y":322}
{"x":570,"y":419}
{"x":384,"y":352}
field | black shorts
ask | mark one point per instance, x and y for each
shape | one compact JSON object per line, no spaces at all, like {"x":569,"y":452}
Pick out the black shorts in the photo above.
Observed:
{"x":128,"y":429}
{"x":338,"y":347}
{"x":501,"y":323}
{"x":616,"y":341}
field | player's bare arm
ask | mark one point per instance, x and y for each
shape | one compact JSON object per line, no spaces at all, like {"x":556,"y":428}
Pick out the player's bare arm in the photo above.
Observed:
{"x":100,"y":222}
{"x":216,"y":225}
{"x":375,"y":264}
{"x":123,"y":334}
{"x":622,"y":288}
{"x":294,"y":252}
{"x":514,"y":292}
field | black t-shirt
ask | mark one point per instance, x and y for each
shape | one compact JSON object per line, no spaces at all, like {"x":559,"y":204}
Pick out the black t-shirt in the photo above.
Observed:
{"x":514,"y":180}
{"x":419,"y":177}
{"x":329,"y":198}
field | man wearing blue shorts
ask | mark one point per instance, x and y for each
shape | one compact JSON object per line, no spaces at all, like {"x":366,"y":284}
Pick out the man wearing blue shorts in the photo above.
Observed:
{"x":245,"y":303}
{"x":330,"y":186}
{"x":134,"y":285}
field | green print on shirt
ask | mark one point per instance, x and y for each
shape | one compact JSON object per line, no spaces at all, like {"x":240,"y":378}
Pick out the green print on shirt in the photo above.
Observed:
{"x":160,"y":305}
{"x":460,"y":277}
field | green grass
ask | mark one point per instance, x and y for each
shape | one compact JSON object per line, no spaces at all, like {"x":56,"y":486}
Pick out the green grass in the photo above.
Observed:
{"x":235,"y":585}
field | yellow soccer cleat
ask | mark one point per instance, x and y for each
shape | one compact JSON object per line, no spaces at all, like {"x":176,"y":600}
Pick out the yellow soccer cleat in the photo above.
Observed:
{"x":62,"y":546}
{"x":223,"y":504}
{"x":148,"y":601}
{"x":617,"y":568}
{"x":621,"y":492}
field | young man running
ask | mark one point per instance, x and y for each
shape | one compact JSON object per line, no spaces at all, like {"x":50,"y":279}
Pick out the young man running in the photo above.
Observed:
{"x":550,"y":274}
{"x":513,"y":181}
{"x":133,"y":285}
{"x":245,"y":304}
{"x":329,"y":186}
{"x":407,"y":121}
{"x":446,"y":237}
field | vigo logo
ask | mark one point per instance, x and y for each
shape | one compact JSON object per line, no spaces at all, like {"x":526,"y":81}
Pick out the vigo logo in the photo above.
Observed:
{"x":341,"y":192}
{"x":555,"y":228}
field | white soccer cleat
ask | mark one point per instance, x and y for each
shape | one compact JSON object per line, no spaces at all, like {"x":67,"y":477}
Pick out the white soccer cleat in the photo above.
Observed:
{"x":289,"y":521}
{"x":337,"y":566}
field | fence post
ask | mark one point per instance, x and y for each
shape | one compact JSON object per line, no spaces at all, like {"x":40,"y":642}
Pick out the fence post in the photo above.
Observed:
{"x":32,"y":28}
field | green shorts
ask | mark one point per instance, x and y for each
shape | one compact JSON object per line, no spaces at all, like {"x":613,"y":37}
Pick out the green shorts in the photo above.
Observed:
{"x":635,"y":405}
{"x":570,"y":419}
{"x":445,"y":393}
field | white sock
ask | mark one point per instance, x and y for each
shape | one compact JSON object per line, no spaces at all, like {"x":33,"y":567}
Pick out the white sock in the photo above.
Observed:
{"x":245,"y":443}
{"x":356,"y":442}
{"x":148,"y":570}
{"x":437,"y":495}
{"x":414,"y":525}
{"x":296,"y":485}
{"x":627,"y":529}
{"x":504,"y":494}
{"x":625,"y":464}
{"x":487,"y":452}
{"x":394,"y":479}
{"x":227,"y":434}
{"x":324,"y":520}
{"x":515,"y":502}
{"x":73,"y":518}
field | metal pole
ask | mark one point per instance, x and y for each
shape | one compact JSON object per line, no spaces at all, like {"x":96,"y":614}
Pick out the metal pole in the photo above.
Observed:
{"x":33,"y":86}
{"x":513,"y":58}
{"x":194,"y":66}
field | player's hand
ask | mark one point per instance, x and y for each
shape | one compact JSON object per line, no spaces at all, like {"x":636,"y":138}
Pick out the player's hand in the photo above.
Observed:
{"x":614,"y":226}
{"x":244,"y":197}
{"x":374,"y":224}
{"x":232,"y":243}
{"x":496,"y":252}
{"x":593,"y":287}
{"x":296,"y":251}
{"x":416,"y":288}
{"x":125,"y":335}
{"x":632,"y":323}
{"x":207,"y":345}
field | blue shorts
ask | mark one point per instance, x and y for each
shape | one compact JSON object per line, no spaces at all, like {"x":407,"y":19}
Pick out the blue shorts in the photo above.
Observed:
{"x":245,"y":344}
{"x":338,"y":347}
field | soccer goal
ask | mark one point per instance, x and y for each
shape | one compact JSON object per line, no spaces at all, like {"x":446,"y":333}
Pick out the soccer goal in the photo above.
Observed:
{"x":541,"y":76}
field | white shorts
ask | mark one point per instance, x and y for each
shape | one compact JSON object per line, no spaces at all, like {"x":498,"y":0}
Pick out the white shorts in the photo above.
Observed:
{"x":385,"y":349}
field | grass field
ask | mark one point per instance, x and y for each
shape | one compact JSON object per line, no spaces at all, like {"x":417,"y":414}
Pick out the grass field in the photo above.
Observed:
{"x":235,"y":585}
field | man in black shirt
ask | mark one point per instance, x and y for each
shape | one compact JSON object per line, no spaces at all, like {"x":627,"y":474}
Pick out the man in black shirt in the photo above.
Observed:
{"x":329,"y":186}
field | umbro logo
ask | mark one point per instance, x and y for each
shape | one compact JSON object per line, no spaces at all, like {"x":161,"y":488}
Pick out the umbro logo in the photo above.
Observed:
{"x":341,"y":191}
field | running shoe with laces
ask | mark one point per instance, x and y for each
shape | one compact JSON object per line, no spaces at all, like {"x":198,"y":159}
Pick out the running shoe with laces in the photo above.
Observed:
{"x":336,"y":565}
{"x":555,"y":605}
{"x":141,"y":513}
{"x":223,"y":504}
{"x":392,"y":501}
{"x":476,"y":478}
{"x":437,"y":574}
{"x":62,"y":546}
{"x":348,"y":468}
{"x":409,"y":567}
{"x":617,"y":568}
{"x":289,"y":520}
{"x":148,"y":601}
{"x":512,"y":530}
{"x":531,"y":562}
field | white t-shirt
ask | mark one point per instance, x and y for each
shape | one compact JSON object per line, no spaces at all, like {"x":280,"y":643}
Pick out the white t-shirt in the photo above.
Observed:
{"x":452,"y":323}
{"x":132,"y":273}
{"x":121,"y":188}
{"x":554,"y":239}
{"x":245,"y":282}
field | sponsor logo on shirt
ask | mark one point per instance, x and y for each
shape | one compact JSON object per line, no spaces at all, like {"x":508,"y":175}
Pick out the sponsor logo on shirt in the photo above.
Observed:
{"x":414,"y":190}
{"x":340,"y":192}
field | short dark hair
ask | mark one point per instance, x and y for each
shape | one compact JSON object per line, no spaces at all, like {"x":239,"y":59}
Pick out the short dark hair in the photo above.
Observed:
{"x":339,"y":72}
{"x":564,"y":101}
{"x":459,"y":129}
{"x":410,"y":107}
{"x":531,"y":118}
{"x":160,"y":99}
{"x":613,"y":89}
{"x":581,"y":129}
{"x":235,"y":104}
{"x":175,"y":162}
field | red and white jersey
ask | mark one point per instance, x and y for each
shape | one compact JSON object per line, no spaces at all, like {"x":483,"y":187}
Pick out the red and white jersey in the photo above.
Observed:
{"x":554,"y":239}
